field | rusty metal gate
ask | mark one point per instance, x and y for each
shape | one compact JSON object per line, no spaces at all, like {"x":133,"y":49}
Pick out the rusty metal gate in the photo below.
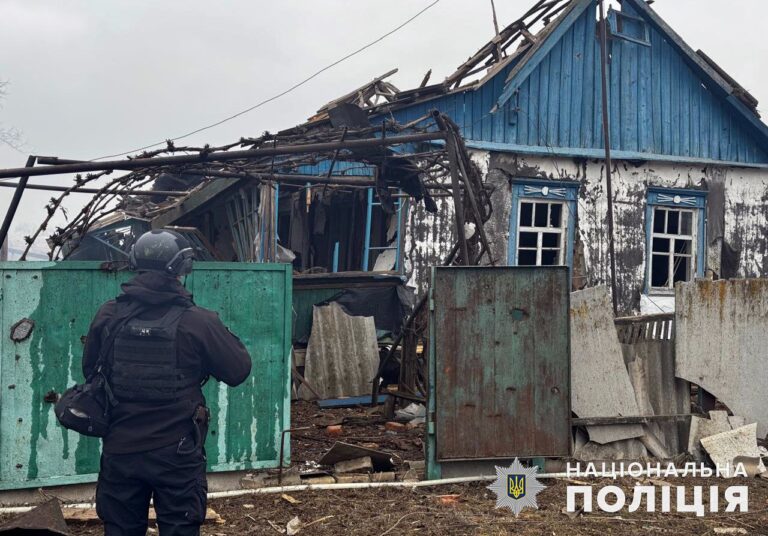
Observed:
{"x":499,"y":364}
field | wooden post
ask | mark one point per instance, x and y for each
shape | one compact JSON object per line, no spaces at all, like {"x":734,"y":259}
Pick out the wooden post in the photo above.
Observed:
{"x":607,"y":143}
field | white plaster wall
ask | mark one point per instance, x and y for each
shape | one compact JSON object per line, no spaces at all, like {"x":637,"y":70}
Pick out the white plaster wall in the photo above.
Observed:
{"x":430,"y":237}
{"x":745,"y":226}
{"x":746,"y":219}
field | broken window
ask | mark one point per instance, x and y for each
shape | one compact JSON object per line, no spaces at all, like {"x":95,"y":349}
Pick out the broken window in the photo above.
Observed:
{"x":629,"y":28}
{"x":675,"y":223}
{"x":543,"y":222}
{"x":672,"y":246}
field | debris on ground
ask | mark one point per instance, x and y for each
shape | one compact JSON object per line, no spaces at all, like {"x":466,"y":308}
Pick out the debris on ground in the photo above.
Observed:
{"x":726,"y":447}
{"x":413,"y":413}
{"x":46,"y":519}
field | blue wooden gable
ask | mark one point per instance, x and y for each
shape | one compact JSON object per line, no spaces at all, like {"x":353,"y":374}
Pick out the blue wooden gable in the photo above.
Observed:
{"x":665,"y":102}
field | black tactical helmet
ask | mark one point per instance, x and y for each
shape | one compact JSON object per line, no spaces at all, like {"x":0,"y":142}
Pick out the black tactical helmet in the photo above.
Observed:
{"x":162,"y":251}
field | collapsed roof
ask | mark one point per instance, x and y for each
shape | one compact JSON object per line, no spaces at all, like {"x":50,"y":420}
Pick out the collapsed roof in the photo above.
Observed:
{"x":342,"y":152}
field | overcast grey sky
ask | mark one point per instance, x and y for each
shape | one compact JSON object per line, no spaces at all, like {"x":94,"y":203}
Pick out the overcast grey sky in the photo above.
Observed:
{"x":95,"y":77}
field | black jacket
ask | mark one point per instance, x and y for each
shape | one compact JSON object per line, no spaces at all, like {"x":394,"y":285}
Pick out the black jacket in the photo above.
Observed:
{"x":202,"y":342}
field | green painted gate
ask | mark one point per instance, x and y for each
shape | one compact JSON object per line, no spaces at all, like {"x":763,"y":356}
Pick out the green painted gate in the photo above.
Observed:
{"x":499,"y":365}
{"x":253,"y":300}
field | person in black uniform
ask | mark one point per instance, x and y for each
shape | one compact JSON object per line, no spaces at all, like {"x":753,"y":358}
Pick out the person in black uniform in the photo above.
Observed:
{"x":161,"y":348}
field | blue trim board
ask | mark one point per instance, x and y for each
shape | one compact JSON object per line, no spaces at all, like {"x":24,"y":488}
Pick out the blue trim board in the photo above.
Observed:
{"x":657,"y":196}
{"x":569,"y":196}
{"x":599,"y":154}
{"x":346,"y":402}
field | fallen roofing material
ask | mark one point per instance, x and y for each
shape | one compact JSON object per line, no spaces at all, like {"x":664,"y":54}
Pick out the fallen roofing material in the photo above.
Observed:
{"x":726,"y":447}
{"x":341,"y":451}
{"x":717,"y":423}
{"x":46,"y":519}
{"x":342,"y":354}
{"x":721,"y":336}
{"x":600,"y":383}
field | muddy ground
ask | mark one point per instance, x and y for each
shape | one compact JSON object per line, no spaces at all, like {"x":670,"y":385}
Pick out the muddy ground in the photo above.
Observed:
{"x":426,"y":510}
{"x":395,"y":511}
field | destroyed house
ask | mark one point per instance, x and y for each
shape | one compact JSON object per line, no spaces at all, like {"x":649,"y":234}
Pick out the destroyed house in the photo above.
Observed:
{"x":690,"y":153}
{"x":689,"y":170}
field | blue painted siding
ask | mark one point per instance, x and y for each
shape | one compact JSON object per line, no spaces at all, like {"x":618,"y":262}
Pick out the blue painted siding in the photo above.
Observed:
{"x":341,"y":167}
{"x":658,"y":104}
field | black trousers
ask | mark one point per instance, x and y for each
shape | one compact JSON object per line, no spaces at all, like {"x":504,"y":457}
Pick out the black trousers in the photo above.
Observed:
{"x":173,"y":476}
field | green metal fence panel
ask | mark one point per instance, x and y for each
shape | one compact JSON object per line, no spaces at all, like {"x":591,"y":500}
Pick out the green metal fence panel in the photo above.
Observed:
{"x":253,"y":300}
{"x":500,"y":364}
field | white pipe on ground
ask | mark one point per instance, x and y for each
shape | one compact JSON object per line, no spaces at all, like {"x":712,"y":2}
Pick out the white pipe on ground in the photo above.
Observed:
{"x":309,"y":487}
{"x":356,"y":485}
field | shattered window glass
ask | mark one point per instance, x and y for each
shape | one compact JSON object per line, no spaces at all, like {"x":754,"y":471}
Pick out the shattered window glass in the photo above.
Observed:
{"x":541,"y":233}
{"x":673,"y":255}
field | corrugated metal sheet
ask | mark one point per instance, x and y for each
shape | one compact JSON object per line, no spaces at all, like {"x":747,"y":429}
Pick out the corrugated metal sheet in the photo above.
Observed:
{"x":721,"y":337}
{"x":500,"y":386}
{"x":659,"y":105}
{"x":252,"y":299}
{"x":342,"y":355}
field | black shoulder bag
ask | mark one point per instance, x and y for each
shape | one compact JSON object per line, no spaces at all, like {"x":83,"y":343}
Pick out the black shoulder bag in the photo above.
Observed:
{"x":86,"y":407}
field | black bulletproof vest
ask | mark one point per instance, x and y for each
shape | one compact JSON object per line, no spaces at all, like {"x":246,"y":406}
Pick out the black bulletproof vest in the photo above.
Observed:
{"x":145,"y":365}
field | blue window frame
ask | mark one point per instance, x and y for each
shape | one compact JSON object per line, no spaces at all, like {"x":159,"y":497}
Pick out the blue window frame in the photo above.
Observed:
{"x":675,"y":229}
{"x":542,"y":222}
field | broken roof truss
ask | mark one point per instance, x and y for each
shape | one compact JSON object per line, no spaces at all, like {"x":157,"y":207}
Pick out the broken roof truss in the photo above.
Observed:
{"x":420,"y":159}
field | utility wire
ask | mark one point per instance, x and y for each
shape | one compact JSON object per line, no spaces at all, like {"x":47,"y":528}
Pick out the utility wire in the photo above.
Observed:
{"x":281,"y":94}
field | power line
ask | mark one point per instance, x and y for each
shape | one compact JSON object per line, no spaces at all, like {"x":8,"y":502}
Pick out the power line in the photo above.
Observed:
{"x":281,"y":94}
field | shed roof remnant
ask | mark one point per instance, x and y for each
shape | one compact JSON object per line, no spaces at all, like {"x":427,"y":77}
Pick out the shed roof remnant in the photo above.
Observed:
{"x":388,"y":157}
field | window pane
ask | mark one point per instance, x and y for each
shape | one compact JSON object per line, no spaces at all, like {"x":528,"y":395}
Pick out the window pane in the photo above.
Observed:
{"x":682,"y":269}
{"x":673,"y":221}
{"x":659,"y":220}
{"x":540,"y":219}
{"x":528,"y":240}
{"x":683,"y":246}
{"x":526,"y":214}
{"x":556,"y":215}
{"x":550,"y":240}
{"x":660,"y":271}
{"x":526,"y":257}
{"x":550,"y":257}
{"x":661,"y":245}
{"x":686,"y":223}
